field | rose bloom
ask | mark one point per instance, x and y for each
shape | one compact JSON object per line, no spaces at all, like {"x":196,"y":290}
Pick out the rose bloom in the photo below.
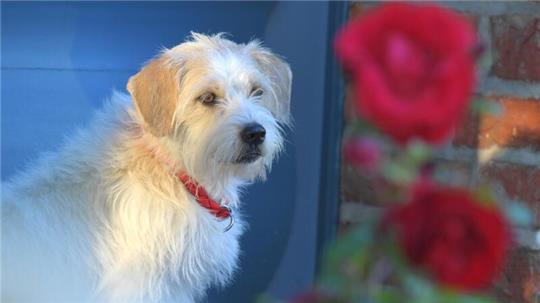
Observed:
{"x":308,"y":297}
{"x":446,"y":232}
{"x":363,"y":153}
{"x":412,"y":67}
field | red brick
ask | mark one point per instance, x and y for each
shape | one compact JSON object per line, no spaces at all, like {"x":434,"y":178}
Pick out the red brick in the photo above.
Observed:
{"x":516,"y":40}
{"x":531,"y":288}
{"x":520,"y":281}
{"x":355,"y":10}
{"x":535,"y":190}
{"x":356,"y":187}
{"x":467,"y":131}
{"x":520,"y":182}
{"x":517,"y":126}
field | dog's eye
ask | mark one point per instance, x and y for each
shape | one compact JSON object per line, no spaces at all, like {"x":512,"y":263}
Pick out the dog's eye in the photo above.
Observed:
{"x":208,"y":98}
{"x":256,"y":92}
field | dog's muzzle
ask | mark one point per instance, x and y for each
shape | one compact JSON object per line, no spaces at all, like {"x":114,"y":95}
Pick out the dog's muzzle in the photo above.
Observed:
{"x":252,"y":135}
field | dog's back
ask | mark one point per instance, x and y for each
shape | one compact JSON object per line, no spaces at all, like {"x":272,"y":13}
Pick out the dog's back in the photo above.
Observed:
{"x":49,"y":224}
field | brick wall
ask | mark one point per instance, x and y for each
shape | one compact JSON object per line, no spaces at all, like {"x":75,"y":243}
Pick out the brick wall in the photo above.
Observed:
{"x":502,"y":150}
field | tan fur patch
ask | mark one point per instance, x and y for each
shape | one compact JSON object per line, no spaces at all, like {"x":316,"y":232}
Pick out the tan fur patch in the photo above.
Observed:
{"x":280,"y":75}
{"x":155,"y":90}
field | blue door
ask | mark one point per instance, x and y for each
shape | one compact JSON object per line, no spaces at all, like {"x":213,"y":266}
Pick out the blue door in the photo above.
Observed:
{"x":61,"y":60}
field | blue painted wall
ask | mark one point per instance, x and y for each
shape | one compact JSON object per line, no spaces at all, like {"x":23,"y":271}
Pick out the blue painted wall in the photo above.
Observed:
{"x":61,"y":60}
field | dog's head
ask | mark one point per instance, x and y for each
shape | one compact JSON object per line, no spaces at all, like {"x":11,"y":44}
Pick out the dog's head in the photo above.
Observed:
{"x":217,"y":106}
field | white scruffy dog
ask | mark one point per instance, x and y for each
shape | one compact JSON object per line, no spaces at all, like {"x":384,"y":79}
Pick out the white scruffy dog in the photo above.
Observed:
{"x":110,"y":217}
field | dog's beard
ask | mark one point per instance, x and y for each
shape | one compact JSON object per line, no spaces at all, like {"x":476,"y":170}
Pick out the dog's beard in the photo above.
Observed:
{"x":248,"y":154}
{"x":219,"y":154}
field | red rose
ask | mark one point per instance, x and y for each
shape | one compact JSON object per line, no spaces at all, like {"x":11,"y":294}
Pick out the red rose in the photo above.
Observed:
{"x":363,"y":153}
{"x":459,"y":241}
{"x":413,"y":69}
{"x":308,"y":297}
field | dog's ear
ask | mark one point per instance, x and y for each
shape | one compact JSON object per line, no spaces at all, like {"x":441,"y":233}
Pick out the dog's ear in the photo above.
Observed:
{"x":280,"y":76}
{"x":154,"y":91}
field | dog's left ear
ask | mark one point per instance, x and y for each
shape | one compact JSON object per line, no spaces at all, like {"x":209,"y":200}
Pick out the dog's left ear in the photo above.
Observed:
{"x":154,"y":91}
{"x":280,"y":76}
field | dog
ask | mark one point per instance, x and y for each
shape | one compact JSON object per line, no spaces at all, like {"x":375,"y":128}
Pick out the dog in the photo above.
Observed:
{"x":143,"y":204}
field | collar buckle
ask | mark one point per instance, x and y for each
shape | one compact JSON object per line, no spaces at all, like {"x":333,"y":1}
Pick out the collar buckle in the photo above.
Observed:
{"x":231,"y":218}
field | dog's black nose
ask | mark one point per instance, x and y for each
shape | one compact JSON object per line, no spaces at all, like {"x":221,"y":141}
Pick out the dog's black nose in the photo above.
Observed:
{"x":253,"y":133}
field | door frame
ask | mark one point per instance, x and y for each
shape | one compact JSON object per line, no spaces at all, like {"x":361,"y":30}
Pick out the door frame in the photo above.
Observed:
{"x":330,"y":178}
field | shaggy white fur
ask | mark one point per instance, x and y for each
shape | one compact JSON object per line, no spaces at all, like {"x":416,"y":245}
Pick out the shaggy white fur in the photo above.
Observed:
{"x":104,"y":219}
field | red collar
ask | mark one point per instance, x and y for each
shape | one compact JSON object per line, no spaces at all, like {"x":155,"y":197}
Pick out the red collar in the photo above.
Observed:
{"x":202,"y":197}
{"x":200,"y":194}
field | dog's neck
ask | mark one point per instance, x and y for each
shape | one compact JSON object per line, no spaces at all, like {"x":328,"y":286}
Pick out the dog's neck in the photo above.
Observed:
{"x":225,"y":191}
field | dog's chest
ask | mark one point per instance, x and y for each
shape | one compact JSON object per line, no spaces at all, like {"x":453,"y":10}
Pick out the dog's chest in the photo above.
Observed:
{"x":173,"y":249}
{"x":208,"y":253}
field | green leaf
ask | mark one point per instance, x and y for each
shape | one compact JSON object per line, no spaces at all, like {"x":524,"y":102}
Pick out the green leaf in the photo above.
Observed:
{"x":418,"y":152}
{"x":418,"y":287}
{"x":398,"y":173}
{"x":484,"y":195}
{"x":361,"y":126}
{"x":450,"y":296}
{"x":482,"y":106}
{"x":394,"y":251}
{"x":265,"y":298}
{"x":333,"y":284}
{"x":353,"y":244}
{"x":477,"y":299}
{"x":485,"y":61}
{"x":389,"y":295}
